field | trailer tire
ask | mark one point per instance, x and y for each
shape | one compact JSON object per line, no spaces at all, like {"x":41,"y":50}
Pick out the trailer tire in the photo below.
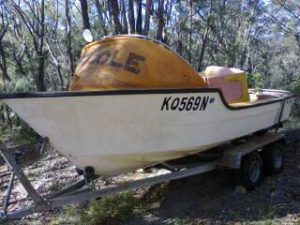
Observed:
{"x":250,"y":173}
{"x":273,"y":158}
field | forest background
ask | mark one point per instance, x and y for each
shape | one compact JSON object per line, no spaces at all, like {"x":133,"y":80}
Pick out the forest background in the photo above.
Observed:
{"x":41,"y":41}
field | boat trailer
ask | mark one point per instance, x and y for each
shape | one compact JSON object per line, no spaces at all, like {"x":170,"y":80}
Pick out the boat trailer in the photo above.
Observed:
{"x":231,"y":157}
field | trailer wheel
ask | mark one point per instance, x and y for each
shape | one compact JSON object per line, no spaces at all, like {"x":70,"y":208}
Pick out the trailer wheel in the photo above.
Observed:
{"x":251,"y":172}
{"x":273,"y":158}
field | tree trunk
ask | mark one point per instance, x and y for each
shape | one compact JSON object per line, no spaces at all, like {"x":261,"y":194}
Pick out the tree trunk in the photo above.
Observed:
{"x":139,"y":16}
{"x":19,"y":63}
{"x":201,"y":55}
{"x":57,"y":65}
{"x":124,"y":19}
{"x":190,"y":30}
{"x":147,"y":17}
{"x":131,"y":17}
{"x":41,"y":54}
{"x":297,"y":37}
{"x":3,"y":63}
{"x":69,"y":38}
{"x":100,"y":16}
{"x":205,"y":39}
{"x":161,"y":23}
{"x":85,"y":14}
{"x":246,"y":40}
{"x":115,"y":16}
{"x":169,"y":10}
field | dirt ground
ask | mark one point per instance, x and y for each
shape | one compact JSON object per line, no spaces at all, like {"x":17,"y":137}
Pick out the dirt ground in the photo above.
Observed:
{"x":213,"y":199}
{"x":205,"y":199}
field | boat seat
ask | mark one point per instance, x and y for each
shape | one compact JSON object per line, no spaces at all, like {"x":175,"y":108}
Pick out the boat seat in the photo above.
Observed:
{"x":255,"y":97}
{"x":231,"y":81}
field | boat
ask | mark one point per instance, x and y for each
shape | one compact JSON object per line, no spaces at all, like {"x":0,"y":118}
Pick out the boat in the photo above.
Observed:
{"x":133,"y":103}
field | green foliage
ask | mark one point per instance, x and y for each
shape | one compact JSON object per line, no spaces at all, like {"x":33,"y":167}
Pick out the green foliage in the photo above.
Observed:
{"x":295,"y":88}
{"x":22,"y":85}
{"x":256,"y":80}
{"x":21,"y":133}
{"x":13,"y":129}
{"x":69,"y":215}
{"x":113,"y":209}
{"x":239,"y":34}
{"x":1,"y":85}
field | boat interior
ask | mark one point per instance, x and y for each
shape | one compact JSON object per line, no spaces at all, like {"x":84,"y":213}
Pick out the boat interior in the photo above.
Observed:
{"x":233,"y":84}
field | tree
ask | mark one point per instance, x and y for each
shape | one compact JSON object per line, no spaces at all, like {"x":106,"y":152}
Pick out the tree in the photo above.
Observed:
{"x":40,"y":41}
{"x":161,"y":23}
{"x":115,"y":15}
{"x":85,"y":14}
{"x":69,"y":37}
{"x":36,"y":29}
{"x":3,"y":31}
{"x":147,"y":17}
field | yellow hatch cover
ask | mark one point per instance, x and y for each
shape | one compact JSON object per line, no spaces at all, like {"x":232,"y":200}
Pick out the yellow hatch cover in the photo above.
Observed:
{"x":125,"y":62}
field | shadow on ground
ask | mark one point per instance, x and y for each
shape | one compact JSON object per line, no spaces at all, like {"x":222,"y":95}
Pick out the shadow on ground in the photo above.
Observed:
{"x":212,"y":199}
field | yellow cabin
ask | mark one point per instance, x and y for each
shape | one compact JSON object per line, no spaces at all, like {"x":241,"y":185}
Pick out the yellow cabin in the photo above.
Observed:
{"x":135,"y":62}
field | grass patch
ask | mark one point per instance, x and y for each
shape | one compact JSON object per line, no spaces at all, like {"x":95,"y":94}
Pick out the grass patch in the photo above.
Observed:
{"x":113,"y":209}
{"x":18,"y":133}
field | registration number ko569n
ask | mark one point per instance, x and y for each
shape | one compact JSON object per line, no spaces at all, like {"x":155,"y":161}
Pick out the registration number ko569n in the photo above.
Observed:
{"x":192,"y":103}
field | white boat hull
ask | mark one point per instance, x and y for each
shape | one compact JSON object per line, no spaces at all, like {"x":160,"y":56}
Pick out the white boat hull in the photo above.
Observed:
{"x":119,"y":132}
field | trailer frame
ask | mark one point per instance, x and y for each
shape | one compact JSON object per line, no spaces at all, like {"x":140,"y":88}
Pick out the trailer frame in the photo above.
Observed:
{"x":231,"y":158}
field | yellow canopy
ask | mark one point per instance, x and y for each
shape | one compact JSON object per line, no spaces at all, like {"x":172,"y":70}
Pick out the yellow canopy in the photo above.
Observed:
{"x":126,"y":62}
